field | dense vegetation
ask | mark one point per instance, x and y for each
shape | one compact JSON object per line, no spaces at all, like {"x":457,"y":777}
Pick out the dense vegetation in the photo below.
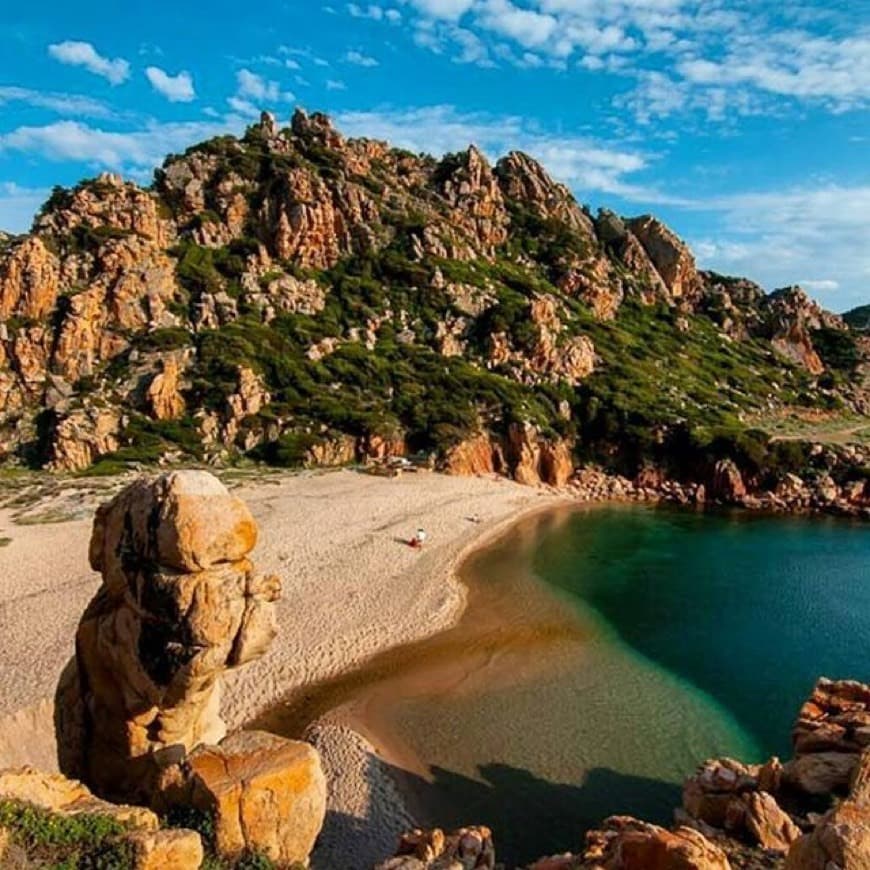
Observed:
{"x":369,"y":360}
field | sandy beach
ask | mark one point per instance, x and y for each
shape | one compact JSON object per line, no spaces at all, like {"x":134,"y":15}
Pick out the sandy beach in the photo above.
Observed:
{"x":352,"y":588}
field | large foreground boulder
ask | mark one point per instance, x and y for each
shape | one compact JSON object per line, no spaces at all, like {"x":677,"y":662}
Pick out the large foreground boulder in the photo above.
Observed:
{"x":265,"y":794}
{"x":179,"y":605}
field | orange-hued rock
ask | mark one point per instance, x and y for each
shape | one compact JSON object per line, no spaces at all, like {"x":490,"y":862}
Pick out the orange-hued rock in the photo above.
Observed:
{"x":179,"y":605}
{"x":764,"y":821}
{"x":81,"y":436}
{"x":176,"y":849}
{"x":57,"y":793}
{"x":841,"y":839}
{"x":476,"y":455}
{"x":183,"y":520}
{"x":266,"y":794}
{"x":163,"y":395}
{"x":29,"y":280}
{"x":533,"y":459}
{"x":464,"y":849}
{"x":625,"y":843}
{"x":671,"y":257}
{"x":524,"y":180}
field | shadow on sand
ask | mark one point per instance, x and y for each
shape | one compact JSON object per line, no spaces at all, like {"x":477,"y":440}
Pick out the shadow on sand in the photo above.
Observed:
{"x":530,"y":817}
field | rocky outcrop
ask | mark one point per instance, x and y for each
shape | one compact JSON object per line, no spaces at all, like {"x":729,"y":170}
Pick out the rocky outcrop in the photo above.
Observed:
{"x":149,"y":847}
{"x":271,"y":259}
{"x":221,"y":430}
{"x":841,"y":838}
{"x":832,"y":730}
{"x":791,"y":318}
{"x":568,"y":359}
{"x":264,"y":793}
{"x":468,"y":184}
{"x":464,"y":849}
{"x":179,"y":604}
{"x":79,"y":437}
{"x":672,"y":259}
{"x":524,"y":181}
{"x":533,"y":459}
{"x":625,"y":843}
{"x":164,"y":395}
{"x":726,"y":483}
{"x":476,"y":455}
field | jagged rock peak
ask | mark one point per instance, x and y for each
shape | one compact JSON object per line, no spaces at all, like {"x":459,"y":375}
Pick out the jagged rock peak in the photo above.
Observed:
{"x":525,"y":181}
{"x":670,"y":255}
{"x":317,"y":126}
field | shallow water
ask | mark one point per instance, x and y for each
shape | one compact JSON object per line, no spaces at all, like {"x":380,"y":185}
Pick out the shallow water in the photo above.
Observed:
{"x":603,"y":655}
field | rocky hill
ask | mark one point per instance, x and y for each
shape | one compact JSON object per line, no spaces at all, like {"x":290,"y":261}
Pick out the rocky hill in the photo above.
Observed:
{"x":303,"y":298}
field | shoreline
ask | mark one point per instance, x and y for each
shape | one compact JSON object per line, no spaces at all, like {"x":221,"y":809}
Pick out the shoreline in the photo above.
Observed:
{"x":352,"y":586}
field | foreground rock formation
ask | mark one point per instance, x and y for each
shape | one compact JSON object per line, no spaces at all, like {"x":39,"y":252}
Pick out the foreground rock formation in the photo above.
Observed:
{"x":138,"y":711}
{"x":149,"y":847}
{"x":179,"y":605}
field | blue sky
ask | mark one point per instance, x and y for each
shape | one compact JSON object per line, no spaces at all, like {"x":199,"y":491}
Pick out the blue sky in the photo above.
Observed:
{"x":743,"y":124}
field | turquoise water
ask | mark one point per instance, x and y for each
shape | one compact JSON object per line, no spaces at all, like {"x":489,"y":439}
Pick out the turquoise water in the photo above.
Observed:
{"x":607,"y":652}
{"x":751,"y":610}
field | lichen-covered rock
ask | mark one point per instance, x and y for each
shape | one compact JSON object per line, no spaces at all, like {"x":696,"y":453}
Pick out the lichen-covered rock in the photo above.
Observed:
{"x":179,"y":605}
{"x":149,"y":847}
{"x":265,"y":794}
{"x":57,"y":793}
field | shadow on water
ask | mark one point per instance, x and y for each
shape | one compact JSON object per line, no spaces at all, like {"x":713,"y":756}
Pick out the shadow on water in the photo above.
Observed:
{"x":530,"y":817}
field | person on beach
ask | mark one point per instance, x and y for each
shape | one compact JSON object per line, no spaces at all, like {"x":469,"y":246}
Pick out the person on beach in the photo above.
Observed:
{"x":419,"y":538}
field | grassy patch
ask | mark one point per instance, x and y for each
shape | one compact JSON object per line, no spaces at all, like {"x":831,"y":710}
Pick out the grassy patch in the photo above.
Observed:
{"x":84,"y":841}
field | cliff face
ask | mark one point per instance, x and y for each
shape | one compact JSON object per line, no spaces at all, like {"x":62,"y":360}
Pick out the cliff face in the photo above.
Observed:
{"x":290,"y":290}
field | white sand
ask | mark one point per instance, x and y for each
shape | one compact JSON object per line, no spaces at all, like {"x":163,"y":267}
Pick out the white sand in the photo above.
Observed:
{"x":352,"y":588}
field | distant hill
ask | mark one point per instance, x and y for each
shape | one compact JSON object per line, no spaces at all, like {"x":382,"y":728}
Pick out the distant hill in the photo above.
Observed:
{"x":858,"y":318}
{"x":304,"y":298}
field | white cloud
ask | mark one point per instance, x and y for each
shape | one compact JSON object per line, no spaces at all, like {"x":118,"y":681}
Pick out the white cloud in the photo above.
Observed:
{"x":451,"y":10}
{"x":254,"y":93}
{"x":817,"y":285}
{"x":84,"y":54}
{"x":18,"y":205}
{"x":374,"y":12}
{"x":531,"y":29}
{"x":359,"y":59}
{"x":62,"y":104}
{"x":779,"y":238}
{"x":335,"y":85}
{"x":176,"y":89}
{"x":722,"y":59}
{"x":587,"y":164}
{"x":133,"y":151}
